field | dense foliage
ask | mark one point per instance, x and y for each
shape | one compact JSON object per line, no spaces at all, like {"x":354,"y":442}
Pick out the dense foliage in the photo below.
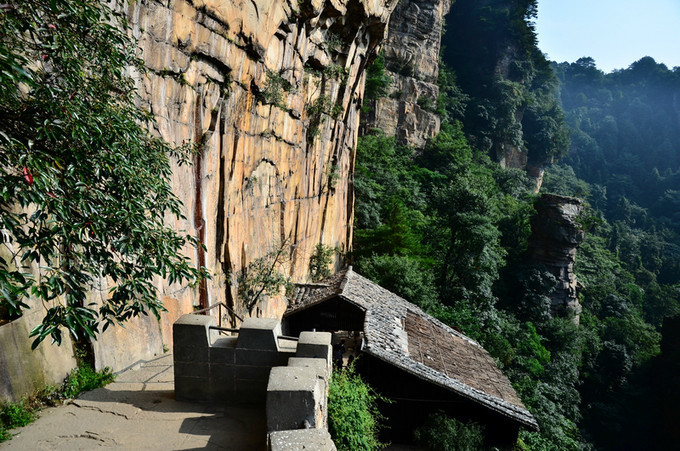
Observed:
{"x":447,"y":229}
{"x":442,"y":433}
{"x":625,"y":159}
{"x":491,"y":46}
{"x":439,"y":229}
{"x":377,"y":82}
{"x":353,"y":417}
{"x":84,"y":185}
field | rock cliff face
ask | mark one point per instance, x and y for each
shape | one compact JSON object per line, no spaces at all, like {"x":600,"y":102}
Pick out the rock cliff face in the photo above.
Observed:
{"x":412,"y":61}
{"x":556,"y":235}
{"x":507,"y":154}
{"x":271,"y":89}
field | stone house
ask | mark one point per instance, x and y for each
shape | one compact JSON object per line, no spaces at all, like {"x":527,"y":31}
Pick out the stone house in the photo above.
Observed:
{"x":419,"y":363}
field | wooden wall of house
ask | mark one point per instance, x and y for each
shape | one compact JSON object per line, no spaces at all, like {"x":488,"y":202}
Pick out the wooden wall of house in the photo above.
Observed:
{"x":414,"y":399}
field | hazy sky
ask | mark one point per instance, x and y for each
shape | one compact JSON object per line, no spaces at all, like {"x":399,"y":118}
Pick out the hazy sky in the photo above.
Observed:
{"x":615,"y":33}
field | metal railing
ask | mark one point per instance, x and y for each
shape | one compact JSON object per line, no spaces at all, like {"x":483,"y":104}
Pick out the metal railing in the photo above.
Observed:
{"x":224,"y":329}
{"x":220,"y":305}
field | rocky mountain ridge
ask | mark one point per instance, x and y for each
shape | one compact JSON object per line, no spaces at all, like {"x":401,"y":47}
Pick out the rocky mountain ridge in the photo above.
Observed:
{"x":411,"y":52}
{"x":270,"y":91}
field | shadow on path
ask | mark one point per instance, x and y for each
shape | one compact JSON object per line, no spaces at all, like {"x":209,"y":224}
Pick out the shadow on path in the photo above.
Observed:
{"x":139,"y":411}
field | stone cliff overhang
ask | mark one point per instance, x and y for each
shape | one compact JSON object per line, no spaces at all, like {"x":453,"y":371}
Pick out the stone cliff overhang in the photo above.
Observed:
{"x":403,"y":336}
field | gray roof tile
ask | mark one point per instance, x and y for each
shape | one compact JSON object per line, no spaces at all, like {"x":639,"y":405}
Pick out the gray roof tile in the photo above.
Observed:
{"x":401,"y":334}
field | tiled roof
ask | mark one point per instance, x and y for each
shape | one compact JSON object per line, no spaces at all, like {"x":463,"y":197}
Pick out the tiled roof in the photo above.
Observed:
{"x":401,"y":334}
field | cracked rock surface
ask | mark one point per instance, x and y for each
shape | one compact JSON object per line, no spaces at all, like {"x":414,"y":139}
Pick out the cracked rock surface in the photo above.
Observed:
{"x":139,"y":411}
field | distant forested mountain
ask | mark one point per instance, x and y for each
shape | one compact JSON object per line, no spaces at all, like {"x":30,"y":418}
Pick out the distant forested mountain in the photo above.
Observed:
{"x":512,"y":111}
{"x":626,"y":135}
{"x":447,"y":228}
{"x":624,"y":160}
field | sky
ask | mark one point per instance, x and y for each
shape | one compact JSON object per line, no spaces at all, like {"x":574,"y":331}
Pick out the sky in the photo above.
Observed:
{"x":615,"y":33}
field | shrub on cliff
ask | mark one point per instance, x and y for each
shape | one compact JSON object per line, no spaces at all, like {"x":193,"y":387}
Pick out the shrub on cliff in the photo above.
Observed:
{"x":84,"y":186}
{"x":377,"y":81}
{"x":25,"y":411}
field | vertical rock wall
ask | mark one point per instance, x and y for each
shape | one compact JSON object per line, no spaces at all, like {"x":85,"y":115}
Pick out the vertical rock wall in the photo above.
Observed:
{"x":555,"y":236}
{"x":23,"y":370}
{"x":271,"y":90}
{"x":412,"y":61}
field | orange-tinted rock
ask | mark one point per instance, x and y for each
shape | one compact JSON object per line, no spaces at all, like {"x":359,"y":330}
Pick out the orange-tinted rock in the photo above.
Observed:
{"x":274,"y":165}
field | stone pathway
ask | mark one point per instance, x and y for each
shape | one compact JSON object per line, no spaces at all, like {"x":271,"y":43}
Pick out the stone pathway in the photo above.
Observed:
{"x":139,"y":411}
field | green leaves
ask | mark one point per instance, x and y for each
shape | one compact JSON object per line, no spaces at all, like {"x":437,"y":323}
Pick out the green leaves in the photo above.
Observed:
{"x":85,"y":193}
{"x":377,"y":81}
{"x":352,"y":412}
{"x":511,"y":87}
{"x":262,"y":278}
{"x":443,"y":433}
{"x":320,"y":261}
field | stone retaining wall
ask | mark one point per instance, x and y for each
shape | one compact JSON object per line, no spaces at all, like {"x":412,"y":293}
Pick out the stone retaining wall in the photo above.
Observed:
{"x":212,"y":367}
{"x":259,"y":366}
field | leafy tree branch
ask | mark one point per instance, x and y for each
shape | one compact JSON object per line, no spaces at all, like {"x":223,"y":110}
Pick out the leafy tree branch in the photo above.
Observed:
{"x":85,"y":187}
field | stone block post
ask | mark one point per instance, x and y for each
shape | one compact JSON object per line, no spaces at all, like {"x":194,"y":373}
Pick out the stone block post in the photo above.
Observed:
{"x":315,"y":345}
{"x":257,"y":351}
{"x":294,"y":398}
{"x":226,"y":369}
{"x":191,"y":354}
{"x":297,"y":395}
{"x":322,"y":369}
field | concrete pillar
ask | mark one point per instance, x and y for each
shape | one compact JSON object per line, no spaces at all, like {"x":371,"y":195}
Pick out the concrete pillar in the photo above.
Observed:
{"x":257,"y":351}
{"x":191,"y":354}
{"x":315,"y":345}
{"x":294,"y":396}
{"x":259,"y":333}
{"x":323,"y":370}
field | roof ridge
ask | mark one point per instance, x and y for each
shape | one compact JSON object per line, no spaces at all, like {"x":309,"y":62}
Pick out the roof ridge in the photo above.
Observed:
{"x":345,"y":279}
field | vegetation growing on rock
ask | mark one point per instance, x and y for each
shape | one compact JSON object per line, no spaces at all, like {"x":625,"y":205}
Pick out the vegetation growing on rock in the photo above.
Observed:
{"x":84,"y":185}
{"x":25,"y":411}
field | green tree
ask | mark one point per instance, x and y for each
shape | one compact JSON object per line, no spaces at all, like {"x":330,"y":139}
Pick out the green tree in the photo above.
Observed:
{"x":262,"y":277}
{"x":353,"y":417}
{"x":84,"y":186}
{"x":492,"y":47}
{"x":408,"y":277}
{"x":384,"y":171}
{"x":377,"y":81}
{"x":320,"y":261}
{"x":443,"y":433}
{"x":471,"y":254}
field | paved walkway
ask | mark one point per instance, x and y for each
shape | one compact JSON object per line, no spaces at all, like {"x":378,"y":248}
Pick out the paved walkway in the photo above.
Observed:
{"x":139,"y":411}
